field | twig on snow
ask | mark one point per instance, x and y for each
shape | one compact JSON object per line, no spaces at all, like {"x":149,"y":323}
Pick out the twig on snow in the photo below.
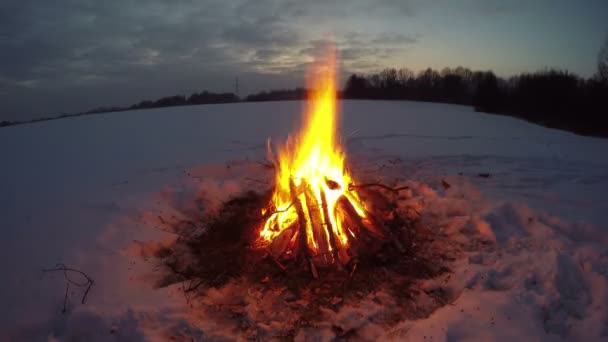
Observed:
{"x":66,"y":274}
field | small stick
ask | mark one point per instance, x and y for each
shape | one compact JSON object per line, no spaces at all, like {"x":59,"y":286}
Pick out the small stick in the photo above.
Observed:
{"x":394,"y":239}
{"x":313,"y":268}
{"x":89,"y":282}
{"x":353,"y":215}
{"x":272,"y":213}
{"x":194,"y":287}
{"x":204,"y":281}
{"x":65,"y":298}
{"x":352,"y":272}
{"x":278,"y":263}
{"x":256,"y":180}
{"x":379,"y":185}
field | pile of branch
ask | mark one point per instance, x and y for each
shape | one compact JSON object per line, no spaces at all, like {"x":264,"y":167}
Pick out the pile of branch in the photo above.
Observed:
{"x":369,"y":232}
{"x":229,"y":247}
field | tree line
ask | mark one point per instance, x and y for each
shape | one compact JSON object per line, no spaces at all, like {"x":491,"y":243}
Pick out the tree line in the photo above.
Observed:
{"x":550,"y":97}
{"x":204,"y":97}
{"x":553,"y":98}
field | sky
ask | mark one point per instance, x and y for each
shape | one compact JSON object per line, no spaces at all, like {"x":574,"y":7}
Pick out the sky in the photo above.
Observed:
{"x":66,"y":56}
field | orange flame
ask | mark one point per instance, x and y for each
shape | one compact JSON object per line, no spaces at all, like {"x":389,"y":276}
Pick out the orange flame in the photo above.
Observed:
{"x":313,"y":159}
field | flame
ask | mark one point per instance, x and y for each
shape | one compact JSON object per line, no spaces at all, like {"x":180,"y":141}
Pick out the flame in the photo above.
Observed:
{"x":312,"y":164}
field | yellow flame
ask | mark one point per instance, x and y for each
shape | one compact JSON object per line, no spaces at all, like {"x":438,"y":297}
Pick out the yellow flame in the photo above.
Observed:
{"x":315,"y":159}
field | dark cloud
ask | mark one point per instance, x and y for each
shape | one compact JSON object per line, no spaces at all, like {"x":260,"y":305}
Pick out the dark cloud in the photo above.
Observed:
{"x":70,"y":55}
{"x":392,"y":38}
{"x":151,"y":48}
{"x":266,"y":31}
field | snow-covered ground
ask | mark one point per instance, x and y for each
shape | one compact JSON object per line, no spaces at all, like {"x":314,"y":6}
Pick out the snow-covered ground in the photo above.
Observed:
{"x":81,"y":191}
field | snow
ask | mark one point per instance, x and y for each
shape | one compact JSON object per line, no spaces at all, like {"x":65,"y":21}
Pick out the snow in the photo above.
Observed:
{"x":86,"y":191}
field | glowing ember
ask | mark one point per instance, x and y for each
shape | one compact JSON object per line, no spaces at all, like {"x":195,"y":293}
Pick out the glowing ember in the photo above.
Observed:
{"x":313,"y":195}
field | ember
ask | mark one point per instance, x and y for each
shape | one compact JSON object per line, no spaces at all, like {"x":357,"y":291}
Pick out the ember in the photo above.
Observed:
{"x":315,"y":213}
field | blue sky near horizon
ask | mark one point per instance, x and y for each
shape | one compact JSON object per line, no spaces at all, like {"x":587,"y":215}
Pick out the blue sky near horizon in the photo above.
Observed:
{"x":67,"y":55}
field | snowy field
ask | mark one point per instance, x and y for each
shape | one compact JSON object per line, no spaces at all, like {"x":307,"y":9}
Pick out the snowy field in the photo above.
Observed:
{"x":81,"y":191}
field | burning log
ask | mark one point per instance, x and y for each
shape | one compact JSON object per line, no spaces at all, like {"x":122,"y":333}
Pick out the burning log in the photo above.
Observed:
{"x":358,"y":222}
{"x":319,"y":232}
{"x":302,"y":223}
{"x":280,"y":244}
{"x":313,"y":239}
{"x":333,"y":243}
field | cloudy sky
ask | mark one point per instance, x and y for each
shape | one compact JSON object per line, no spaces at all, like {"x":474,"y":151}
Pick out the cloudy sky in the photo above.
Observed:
{"x":72,"y":55}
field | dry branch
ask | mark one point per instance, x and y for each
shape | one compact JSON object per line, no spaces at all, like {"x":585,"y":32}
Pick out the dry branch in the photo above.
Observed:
{"x":194,"y":287}
{"x":277,"y":263}
{"x":269,"y":214}
{"x":351,"y":213}
{"x":66,"y":271}
{"x":259,"y":181}
{"x":352,"y":187}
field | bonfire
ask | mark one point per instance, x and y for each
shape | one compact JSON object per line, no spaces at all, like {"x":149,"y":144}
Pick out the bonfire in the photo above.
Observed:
{"x":316,"y":214}
{"x":307,"y":236}
{"x":315,"y":219}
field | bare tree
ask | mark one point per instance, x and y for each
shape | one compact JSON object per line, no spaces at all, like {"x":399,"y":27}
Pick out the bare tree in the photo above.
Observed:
{"x":602,"y":61}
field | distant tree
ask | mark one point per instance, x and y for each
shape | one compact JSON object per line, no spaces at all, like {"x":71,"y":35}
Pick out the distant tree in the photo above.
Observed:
{"x":375,"y":81}
{"x":356,"y":87}
{"x":390,"y":85}
{"x":427,"y":83}
{"x":207,"y":98}
{"x":278,"y":95}
{"x":453,"y":88}
{"x":405,"y":75}
{"x":170,"y":101}
{"x":602,"y":62}
{"x":487,"y":93}
{"x":143,"y":105}
{"x":389,"y":78}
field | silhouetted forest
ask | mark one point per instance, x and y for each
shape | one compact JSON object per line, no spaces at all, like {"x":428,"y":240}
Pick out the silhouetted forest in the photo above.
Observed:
{"x":278,"y":95}
{"x":204,"y":97}
{"x":552,"y":98}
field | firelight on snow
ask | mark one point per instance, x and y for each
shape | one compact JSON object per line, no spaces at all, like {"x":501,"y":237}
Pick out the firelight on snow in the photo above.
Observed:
{"x":315,"y":211}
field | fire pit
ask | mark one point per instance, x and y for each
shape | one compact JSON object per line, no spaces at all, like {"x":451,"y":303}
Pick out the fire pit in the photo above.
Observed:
{"x":315,"y":236}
